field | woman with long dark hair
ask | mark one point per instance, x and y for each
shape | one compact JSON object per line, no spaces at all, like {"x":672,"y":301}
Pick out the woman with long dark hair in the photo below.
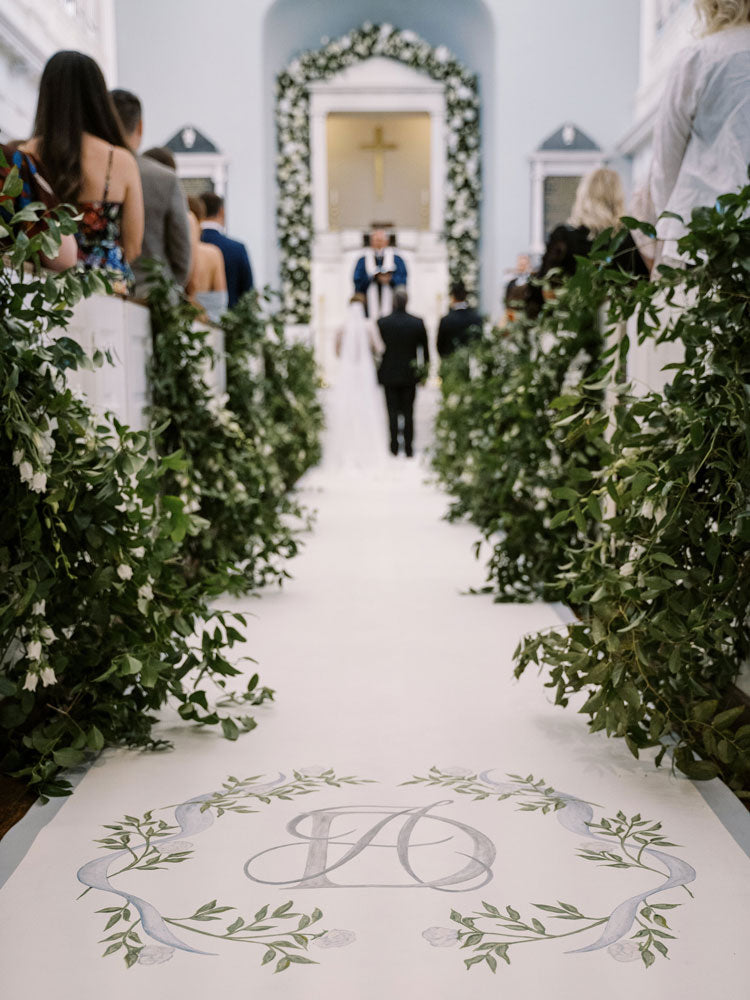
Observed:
{"x":79,"y":143}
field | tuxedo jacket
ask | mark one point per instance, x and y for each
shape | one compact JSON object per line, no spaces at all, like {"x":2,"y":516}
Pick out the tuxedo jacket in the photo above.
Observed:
{"x":459,"y":328}
{"x":405,"y":338}
{"x":362,"y":279}
{"x":236,"y":263}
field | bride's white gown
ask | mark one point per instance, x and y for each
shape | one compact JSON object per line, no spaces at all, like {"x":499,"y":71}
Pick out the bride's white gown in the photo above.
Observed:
{"x":355,"y":438}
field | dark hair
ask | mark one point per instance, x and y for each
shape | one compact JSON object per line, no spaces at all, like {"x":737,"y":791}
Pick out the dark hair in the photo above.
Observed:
{"x":73,"y":99}
{"x":197,"y":206}
{"x":129,"y":109}
{"x":213,"y":202}
{"x":458,"y":291}
{"x":163,"y":155}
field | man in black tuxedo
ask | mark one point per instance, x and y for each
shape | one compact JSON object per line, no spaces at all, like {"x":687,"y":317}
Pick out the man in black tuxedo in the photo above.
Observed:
{"x":405,"y":338}
{"x":461,"y":326}
{"x":236,"y":261}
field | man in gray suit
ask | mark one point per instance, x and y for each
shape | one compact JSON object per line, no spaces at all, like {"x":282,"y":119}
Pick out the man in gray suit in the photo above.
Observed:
{"x":167,"y":234}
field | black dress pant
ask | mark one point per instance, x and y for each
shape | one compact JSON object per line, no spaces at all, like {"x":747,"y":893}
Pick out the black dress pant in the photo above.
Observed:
{"x":400,"y":402}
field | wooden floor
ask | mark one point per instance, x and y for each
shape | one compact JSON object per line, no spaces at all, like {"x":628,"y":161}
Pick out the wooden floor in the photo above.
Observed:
{"x":15,"y":802}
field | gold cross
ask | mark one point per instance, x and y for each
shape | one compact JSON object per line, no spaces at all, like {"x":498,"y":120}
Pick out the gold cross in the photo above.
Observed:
{"x":379,"y":148}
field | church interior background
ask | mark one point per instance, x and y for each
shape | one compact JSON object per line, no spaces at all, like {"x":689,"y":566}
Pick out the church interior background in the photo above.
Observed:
{"x":430,"y":722}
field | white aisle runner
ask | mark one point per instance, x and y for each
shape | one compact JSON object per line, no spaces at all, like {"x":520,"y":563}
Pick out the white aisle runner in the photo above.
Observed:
{"x":230,"y":867}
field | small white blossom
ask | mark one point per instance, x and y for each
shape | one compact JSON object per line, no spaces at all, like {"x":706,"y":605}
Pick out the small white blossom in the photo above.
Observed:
{"x":47,"y":634}
{"x":17,"y":456}
{"x":39,"y":608}
{"x":146,"y":592}
{"x":124,"y":571}
{"x":26,"y":472}
{"x":139,"y":553}
{"x":31,"y":682}
{"x":48,"y":676}
{"x":39,"y":482}
{"x":34,"y":649}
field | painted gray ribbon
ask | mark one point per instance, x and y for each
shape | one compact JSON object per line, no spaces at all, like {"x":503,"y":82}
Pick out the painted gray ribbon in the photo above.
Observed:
{"x":191,"y":820}
{"x":575,"y":817}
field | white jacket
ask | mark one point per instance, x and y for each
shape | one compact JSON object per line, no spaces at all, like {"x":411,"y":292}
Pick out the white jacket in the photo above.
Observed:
{"x":702,"y":134}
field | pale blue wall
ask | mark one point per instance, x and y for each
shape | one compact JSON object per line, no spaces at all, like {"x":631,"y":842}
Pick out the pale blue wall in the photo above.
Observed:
{"x":542,"y":62}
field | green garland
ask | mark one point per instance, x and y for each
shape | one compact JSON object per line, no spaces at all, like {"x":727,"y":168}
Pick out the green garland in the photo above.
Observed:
{"x":233,"y":479}
{"x":646,"y":506}
{"x":98,"y":629}
{"x":463,"y":181}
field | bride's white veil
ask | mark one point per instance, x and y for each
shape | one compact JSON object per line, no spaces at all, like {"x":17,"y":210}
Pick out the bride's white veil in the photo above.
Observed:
{"x":356,"y":422}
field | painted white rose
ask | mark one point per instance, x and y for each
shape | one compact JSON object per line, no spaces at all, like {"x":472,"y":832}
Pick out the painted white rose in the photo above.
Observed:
{"x":174,"y":846}
{"x":335,"y":939}
{"x":625,"y":951}
{"x":441,"y":937}
{"x":124,"y":571}
{"x":154,"y":954}
{"x":456,"y":772}
{"x":34,"y":649}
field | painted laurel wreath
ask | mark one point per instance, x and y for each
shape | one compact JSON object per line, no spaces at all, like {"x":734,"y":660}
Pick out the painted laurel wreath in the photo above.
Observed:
{"x":142,"y":935}
{"x":463,"y":182}
{"x":636,"y":928}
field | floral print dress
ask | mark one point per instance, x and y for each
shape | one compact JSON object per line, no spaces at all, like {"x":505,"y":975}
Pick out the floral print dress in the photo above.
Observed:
{"x":99,"y":239}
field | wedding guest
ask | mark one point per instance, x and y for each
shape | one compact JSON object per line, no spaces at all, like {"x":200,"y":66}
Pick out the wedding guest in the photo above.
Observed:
{"x":702,"y":133}
{"x":239,"y":274}
{"x":402,"y":368}
{"x":34,"y":189}
{"x":166,"y":237}
{"x":514,"y":290}
{"x":79,"y":144}
{"x":207,"y":285}
{"x":163,"y":155}
{"x":461,"y":326}
{"x":599,"y":205}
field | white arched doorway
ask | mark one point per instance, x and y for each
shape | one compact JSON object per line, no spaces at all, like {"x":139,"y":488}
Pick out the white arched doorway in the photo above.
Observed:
{"x":466,"y":28}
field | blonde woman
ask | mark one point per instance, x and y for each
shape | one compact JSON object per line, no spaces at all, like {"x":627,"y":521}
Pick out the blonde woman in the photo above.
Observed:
{"x":599,"y":205}
{"x":702,"y":134}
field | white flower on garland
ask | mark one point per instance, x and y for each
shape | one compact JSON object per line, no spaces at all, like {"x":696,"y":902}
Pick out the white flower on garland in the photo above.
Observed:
{"x":48,"y":676}
{"x":124,"y":571}
{"x":34,"y":649}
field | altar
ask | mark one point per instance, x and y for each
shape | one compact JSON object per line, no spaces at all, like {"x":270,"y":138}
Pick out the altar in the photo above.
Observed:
{"x":378,"y":160}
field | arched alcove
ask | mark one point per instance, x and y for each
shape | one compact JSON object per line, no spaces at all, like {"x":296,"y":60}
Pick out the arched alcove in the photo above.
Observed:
{"x":466,"y":27}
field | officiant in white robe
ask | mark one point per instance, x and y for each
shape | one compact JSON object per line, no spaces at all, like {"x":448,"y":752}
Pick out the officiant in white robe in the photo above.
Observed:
{"x":377,"y":273}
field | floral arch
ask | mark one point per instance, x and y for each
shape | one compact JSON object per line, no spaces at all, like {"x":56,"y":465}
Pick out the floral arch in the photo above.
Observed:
{"x":463,"y":175}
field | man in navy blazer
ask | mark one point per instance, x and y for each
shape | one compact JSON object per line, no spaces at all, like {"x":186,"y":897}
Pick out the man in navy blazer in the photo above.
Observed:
{"x":236,"y":260}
